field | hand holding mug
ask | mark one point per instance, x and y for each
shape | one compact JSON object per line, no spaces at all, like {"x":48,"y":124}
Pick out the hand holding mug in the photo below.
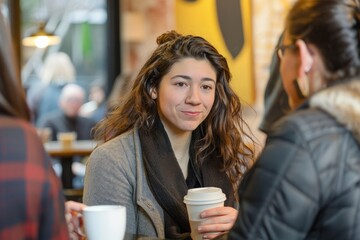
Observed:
{"x":74,"y":220}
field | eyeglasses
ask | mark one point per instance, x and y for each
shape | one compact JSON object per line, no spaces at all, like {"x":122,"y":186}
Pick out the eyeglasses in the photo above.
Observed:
{"x":281,"y":49}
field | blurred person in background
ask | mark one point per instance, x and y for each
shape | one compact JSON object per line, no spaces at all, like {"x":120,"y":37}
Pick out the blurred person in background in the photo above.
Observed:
{"x":43,"y":96}
{"x":68,"y":118}
{"x":306,"y":182}
{"x":31,"y":199}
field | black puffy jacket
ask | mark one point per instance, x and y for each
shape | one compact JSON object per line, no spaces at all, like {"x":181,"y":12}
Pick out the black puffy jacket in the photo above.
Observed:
{"x":306,"y":182}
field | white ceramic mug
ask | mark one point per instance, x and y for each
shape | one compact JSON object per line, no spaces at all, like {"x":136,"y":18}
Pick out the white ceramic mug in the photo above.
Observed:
{"x":104,"y":222}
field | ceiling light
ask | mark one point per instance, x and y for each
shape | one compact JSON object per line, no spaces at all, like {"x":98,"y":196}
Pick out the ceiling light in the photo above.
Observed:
{"x":41,"y":38}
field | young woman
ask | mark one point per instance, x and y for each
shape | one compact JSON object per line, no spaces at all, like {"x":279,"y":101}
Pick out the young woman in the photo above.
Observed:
{"x":179,"y":127}
{"x":306,"y":183}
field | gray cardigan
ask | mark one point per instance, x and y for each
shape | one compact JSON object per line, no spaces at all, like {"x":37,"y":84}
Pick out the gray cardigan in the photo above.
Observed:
{"x":115,"y":175}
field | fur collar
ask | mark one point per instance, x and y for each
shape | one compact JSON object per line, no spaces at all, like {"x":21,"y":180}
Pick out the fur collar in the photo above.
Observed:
{"x":343,"y":102}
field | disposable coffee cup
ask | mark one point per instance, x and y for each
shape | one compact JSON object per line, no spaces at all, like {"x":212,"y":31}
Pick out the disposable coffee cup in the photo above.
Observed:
{"x":199,"y":199}
{"x":104,"y":222}
{"x":67,"y":138}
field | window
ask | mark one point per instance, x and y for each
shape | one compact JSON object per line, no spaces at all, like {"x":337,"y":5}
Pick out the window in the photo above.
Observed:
{"x":82,"y":27}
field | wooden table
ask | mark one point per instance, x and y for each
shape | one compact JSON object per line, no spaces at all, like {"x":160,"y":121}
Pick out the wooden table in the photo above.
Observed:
{"x":66,"y":156}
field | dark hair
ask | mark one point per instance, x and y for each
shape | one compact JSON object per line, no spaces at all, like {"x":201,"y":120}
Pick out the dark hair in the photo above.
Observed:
{"x":222,"y":130}
{"x":12,"y":94}
{"x":333,"y":27}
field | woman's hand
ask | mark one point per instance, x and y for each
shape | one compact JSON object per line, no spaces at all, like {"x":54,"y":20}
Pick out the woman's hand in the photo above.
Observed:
{"x":217,"y":221}
{"x":73,"y":212}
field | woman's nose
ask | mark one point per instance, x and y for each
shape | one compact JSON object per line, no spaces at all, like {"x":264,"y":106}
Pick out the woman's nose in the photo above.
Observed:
{"x":193,"y":96}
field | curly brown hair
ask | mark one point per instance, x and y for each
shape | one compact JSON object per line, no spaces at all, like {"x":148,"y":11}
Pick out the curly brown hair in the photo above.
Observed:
{"x":222,"y":131}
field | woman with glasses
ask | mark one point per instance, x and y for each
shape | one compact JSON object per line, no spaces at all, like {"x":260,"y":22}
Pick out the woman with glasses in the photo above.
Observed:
{"x":306,"y":182}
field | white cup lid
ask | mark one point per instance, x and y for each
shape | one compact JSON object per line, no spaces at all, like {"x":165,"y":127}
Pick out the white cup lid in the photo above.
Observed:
{"x":211,"y":194}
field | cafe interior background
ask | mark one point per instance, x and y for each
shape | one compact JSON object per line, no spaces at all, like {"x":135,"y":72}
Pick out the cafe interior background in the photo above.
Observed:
{"x":109,"y":39}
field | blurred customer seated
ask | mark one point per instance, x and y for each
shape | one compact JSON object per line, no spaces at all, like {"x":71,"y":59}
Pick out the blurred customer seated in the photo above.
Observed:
{"x":43,"y":96}
{"x":68,"y":120}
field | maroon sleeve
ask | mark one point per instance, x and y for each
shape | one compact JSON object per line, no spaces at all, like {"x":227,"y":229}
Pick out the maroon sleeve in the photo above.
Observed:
{"x":31,"y":198}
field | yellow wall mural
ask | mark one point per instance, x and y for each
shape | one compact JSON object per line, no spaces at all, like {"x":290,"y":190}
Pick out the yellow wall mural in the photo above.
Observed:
{"x":201,"y":17}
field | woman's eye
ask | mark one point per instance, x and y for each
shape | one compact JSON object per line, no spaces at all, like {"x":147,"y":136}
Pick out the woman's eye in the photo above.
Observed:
{"x":180,"y":84}
{"x":207,"y":87}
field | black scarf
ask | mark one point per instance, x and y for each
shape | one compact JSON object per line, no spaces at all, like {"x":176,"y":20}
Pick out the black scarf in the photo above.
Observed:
{"x":167,"y":182}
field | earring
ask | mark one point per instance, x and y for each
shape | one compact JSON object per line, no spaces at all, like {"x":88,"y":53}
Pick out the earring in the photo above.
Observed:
{"x":301,"y":85}
{"x":153,"y":94}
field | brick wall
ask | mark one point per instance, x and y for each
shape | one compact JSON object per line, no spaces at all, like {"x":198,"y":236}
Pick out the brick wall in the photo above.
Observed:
{"x":268,"y":22}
